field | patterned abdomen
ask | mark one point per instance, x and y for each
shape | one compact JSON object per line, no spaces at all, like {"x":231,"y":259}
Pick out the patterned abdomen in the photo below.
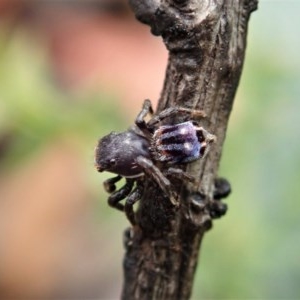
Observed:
{"x":176,"y":143}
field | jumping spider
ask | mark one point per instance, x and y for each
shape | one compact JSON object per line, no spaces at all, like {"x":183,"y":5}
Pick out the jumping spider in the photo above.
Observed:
{"x":136,"y":152}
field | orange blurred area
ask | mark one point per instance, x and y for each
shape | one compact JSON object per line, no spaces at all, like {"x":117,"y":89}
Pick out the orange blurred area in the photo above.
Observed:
{"x":56,"y":239}
{"x":94,"y":45}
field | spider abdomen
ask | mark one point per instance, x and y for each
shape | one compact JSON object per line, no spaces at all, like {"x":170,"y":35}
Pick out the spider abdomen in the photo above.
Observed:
{"x":176,"y":143}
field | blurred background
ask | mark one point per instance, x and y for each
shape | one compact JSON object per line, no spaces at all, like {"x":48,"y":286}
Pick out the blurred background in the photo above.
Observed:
{"x":72,"y":71}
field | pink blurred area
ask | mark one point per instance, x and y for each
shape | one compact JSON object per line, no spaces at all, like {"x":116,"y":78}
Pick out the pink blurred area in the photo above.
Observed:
{"x":51,"y":244}
{"x":94,"y":48}
{"x":89,"y":51}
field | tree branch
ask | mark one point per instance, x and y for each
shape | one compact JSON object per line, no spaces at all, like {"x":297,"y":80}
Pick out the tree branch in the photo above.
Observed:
{"x":206,"y":42}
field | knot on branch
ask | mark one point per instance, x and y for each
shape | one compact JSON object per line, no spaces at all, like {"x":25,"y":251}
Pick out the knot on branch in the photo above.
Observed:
{"x":175,"y":20}
{"x":199,"y":209}
{"x":251,"y":5}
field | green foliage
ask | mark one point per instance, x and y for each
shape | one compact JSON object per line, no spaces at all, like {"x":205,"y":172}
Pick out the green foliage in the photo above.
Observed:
{"x":36,"y":112}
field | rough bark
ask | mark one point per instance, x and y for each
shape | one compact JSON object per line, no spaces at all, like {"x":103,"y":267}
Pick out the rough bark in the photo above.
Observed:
{"x":206,"y":41}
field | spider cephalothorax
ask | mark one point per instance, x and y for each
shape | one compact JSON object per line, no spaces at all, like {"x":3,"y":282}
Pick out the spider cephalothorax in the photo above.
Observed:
{"x":135,"y":152}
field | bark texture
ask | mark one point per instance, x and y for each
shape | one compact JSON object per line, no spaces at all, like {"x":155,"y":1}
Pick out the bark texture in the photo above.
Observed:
{"x":206,"y":40}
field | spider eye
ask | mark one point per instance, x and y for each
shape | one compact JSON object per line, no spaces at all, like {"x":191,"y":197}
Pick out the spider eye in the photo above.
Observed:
{"x":112,"y":162}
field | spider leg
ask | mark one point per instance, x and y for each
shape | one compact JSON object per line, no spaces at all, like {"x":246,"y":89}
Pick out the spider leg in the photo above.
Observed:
{"x":180,"y":174}
{"x":109,"y":184}
{"x":134,"y":196}
{"x":140,"y":119}
{"x":159,"y":177}
{"x":174,"y":110}
{"x":115,"y":198}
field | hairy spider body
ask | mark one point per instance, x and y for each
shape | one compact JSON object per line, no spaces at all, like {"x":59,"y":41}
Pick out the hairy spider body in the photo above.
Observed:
{"x":116,"y":153}
{"x":135,"y":152}
{"x":176,"y":144}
